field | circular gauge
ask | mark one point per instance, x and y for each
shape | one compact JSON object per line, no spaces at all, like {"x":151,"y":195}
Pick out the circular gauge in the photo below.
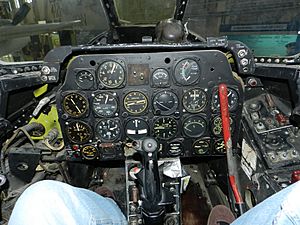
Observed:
{"x":217,"y":126}
{"x":194,"y":100}
{"x":160,"y":78}
{"x":105,"y":104}
{"x":220,"y":146}
{"x":136,"y":128}
{"x":187,"y":72}
{"x":75,"y":104}
{"x":165,"y":128}
{"x":85,"y":80}
{"x":79,"y":132}
{"x":135,"y":102}
{"x":108,"y":129}
{"x":165,"y":103}
{"x":194,"y":126}
{"x":111,"y":74}
{"x":89,"y":152}
{"x":233,"y":99}
{"x":201,"y":147}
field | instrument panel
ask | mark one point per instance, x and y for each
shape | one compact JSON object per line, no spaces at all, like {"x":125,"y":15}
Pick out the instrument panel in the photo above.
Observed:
{"x":109,"y":100}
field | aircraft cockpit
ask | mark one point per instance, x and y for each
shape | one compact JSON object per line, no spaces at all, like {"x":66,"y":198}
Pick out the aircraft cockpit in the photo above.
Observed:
{"x":173,"y":123}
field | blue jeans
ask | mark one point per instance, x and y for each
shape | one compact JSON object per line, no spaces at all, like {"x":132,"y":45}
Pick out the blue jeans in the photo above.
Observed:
{"x":282,"y":208}
{"x":55,"y":203}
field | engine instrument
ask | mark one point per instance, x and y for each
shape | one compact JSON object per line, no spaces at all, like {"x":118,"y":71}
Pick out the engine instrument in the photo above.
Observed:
{"x":85,"y":79}
{"x":89,"y":152}
{"x":194,"y":126}
{"x":217,"y":128}
{"x":75,"y":104}
{"x":187,"y":72}
{"x":160,"y":78}
{"x":79,"y":132}
{"x":201,"y":147}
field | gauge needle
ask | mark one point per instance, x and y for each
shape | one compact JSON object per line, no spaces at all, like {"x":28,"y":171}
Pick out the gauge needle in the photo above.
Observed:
{"x":162,"y":105}
{"x":75,"y":105}
{"x":113,"y":68}
{"x":159,"y":128}
{"x":77,"y":126}
{"x":106,"y":99}
{"x":137,"y":102}
{"x":113,"y":128}
{"x":188,"y":129}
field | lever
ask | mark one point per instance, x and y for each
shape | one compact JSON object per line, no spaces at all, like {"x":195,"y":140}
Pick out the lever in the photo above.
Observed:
{"x":231,"y":162}
{"x":148,"y":177}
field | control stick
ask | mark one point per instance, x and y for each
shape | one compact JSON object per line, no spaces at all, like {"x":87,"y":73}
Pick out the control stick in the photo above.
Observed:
{"x":148,"y":178}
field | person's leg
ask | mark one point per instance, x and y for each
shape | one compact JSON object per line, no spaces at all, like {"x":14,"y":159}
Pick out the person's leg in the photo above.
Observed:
{"x":282,"y":208}
{"x":52,"y":202}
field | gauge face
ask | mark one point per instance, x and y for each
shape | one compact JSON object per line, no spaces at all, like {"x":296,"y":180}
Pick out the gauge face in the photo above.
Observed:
{"x":136,"y":129}
{"x":194,"y":100}
{"x":135,"y":102}
{"x":79,"y":132}
{"x":165,"y":103}
{"x":105,"y":104}
{"x":85,"y":80}
{"x":111,"y":74}
{"x":233,"y":99}
{"x":108,"y":129}
{"x":160,"y":78}
{"x":220,"y":146}
{"x":201,"y":147}
{"x":165,"y":128}
{"x":75,"y":104}
{"x":187,"y":72}
{"x":217,"y":126}
{"x":89,"y":152}
{"x":194,"y":126}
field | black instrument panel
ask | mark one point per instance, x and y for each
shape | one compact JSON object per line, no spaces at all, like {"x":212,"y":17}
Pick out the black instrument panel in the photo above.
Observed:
{"x":108,"y":100}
